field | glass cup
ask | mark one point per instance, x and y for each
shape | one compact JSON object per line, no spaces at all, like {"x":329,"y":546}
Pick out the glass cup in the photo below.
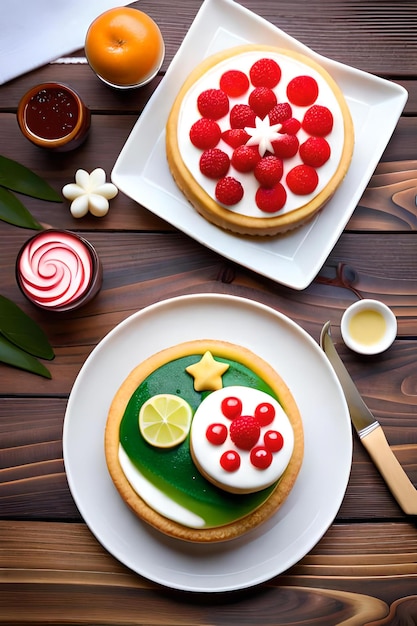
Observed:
{"x":58,"y":270}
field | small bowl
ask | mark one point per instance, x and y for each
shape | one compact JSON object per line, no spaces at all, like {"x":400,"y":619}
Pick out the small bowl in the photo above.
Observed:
{"x":368,"y":327}
{"x":52,"y":115}
{"x":58,"y":270}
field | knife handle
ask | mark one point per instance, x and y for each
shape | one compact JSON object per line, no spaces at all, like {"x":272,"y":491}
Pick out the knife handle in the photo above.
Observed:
{"x":397,"y":480}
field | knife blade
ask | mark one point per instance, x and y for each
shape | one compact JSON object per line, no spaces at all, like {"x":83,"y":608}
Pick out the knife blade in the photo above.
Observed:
{"x":370,"y":431}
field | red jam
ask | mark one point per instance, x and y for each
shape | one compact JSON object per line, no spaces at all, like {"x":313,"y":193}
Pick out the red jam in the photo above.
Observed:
{"x":52,"y":115}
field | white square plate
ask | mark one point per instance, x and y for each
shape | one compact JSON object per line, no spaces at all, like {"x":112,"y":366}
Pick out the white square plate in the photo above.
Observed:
{"x":141,"y":170}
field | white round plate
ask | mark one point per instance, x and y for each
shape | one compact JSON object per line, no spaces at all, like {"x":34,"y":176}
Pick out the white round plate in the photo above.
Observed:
{"x":313,"y":502}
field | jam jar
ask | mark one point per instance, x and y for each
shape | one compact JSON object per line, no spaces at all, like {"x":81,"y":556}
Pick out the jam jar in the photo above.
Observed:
{"x":52,"y":115}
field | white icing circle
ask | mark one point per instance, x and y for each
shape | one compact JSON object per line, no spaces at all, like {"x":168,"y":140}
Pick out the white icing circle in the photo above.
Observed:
{"x":290,"y":68}
{"x":246,"y":478}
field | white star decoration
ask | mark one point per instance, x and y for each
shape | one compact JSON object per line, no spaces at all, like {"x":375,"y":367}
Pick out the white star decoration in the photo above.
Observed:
{"x":263,"y":134}
{"x":90,"y":192}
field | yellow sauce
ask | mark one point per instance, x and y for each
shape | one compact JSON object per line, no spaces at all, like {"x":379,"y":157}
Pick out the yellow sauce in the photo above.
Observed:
{"x":367,"y":327}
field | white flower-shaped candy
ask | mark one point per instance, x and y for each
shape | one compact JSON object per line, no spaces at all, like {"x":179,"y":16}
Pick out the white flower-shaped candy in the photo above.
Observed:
{"x":90,"y":192}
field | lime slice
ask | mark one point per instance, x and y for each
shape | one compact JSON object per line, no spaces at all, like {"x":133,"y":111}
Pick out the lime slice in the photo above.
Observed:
{"x":165,"y":420}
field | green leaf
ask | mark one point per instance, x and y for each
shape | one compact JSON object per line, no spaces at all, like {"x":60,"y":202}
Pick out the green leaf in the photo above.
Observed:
{"x":22,"y":331}
{"x":12,"y":355}
{"x":19,"y":178}
{"x":14,"y":212}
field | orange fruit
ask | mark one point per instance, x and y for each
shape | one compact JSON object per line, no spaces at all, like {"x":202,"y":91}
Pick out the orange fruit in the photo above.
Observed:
{"x":124,"y":47}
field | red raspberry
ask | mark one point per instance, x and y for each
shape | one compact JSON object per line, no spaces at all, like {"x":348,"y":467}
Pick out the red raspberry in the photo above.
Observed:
{"x":214,"y":163}
{"x":241,"y":116}
{"x":262,"y":100}
{"x":245,"y":158}
{"x":234,"y":83}
{"x":302,"y":91}
{"x":265,"y":73}
{"x":271,"y":200}
{"x":286,"y":146}
{"x":318,"y":120}
{"x":235,"y":137}
{"x":205,"y":133}
{"x":290,"y":127}
{"x":281,"y":112}
{"x":315,"y":151}
{"x":213,"y":103}
{"x":268,"y":171}
{"x":229,"y":191}
{"x":302,"y":179}
{"x":244,"y":432}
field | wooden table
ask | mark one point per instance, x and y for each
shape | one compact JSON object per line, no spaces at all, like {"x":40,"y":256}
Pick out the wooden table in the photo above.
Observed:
{"x":364,"y":569}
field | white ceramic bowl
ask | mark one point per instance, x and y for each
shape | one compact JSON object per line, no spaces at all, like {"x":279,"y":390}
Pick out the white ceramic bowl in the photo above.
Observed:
{"x":368,"y":327}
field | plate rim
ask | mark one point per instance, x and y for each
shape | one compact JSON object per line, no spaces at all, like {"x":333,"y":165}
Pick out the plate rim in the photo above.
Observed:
{"x":213,"y":298}
{"x":285,"y":269}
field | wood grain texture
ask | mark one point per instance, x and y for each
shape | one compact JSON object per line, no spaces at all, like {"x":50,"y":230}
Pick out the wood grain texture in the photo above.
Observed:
{"x":364,"y":569}
{"x":44,"y":570}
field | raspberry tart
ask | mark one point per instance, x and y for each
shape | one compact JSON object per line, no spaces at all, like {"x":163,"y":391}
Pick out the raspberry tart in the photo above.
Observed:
{"x":259,"y":139}
{"x":204,"y":441}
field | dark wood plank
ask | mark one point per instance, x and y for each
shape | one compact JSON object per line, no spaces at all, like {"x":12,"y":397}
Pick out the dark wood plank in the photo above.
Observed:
{"x":44,"y":566}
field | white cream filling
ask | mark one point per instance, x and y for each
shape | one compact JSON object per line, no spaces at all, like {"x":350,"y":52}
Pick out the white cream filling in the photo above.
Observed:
{"x":155,"y":498}
{"x":247,"y":477}
{"x":290,"y":68}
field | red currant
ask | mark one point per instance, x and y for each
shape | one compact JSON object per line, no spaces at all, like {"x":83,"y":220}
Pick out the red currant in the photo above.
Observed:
{"x":261,"y":457}
{"x":216,"y":434}
{"x":230,"y":461}
{"x":231,"y":407}
{"x":273,"y":440}
{"x":265,"y":413}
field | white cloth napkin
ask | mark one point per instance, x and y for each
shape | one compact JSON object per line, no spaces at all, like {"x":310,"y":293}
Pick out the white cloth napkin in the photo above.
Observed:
{"x":35,"y":32}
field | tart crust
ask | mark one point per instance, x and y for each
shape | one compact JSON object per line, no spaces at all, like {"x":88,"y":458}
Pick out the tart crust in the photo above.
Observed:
{"x":139,"y":506}
{"x":227,"y":218}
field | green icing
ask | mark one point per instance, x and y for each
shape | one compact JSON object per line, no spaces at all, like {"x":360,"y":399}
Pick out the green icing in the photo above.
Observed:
{"x":173,"y":470}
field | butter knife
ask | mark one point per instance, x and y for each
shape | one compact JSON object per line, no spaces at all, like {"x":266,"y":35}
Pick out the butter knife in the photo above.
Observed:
{"x":370,"y":432}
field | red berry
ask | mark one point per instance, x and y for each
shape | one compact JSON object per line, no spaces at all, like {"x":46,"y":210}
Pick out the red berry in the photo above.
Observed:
{"x":268,"y":171}
{"x":273,"y":440}
{"x":234,"y":83}
{"x":302,"y":90}
{"x":286,"y":146}
{"x":231,"y":407}
{"x":235,"y":137}
{"x":241,"y":116}
{"x":265,"y":413}
{"x":214,"y":163}
{"x":265,"y":73}
{"x":271,"y":200}
{"x":315,"y":151}
{"x":230,"y":461}
{"x":213,"y":103}
{"x":318,"y":120}
{"x":262,"y":100}
{"x":302,"y":179}
{"x":245,"y":158}
{"x":229,"y":191}
{"x":216,"y":434}
{"x":205,"y":133}
{"x":260,"y":457}
{"x":281,"y":112}
{"x":244,"y":432}
{"x":290,"y":126}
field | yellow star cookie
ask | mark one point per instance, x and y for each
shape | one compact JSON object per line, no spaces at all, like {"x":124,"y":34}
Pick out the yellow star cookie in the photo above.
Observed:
{"x":207,"y":373}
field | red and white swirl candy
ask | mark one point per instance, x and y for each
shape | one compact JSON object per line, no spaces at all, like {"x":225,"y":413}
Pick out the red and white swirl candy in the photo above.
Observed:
{"x":55,"y":269}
